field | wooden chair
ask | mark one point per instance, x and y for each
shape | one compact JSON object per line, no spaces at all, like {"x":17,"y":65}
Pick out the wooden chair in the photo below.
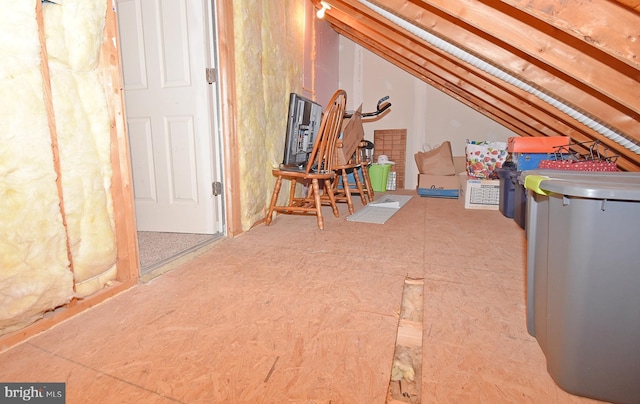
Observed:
{"x":358,"y":164}
{"x":343,"y":188}
{"x":320,"y":167}
{"x":365,"y":162}
{"x":353,"y":172}
{"x":361,"y":173}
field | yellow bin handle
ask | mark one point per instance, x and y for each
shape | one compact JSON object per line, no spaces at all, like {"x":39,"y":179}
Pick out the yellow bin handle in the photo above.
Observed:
{"x":532,"y":182}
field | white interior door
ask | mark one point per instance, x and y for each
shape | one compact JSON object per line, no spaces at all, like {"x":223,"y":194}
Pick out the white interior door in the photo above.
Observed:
{"x":165,"y":51}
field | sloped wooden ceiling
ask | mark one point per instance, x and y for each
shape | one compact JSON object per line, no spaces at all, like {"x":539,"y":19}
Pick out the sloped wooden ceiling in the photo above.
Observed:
{"x":582,"y":53}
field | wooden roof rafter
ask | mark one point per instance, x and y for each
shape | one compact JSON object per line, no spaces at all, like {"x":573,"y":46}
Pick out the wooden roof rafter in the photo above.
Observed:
{"x":564,"y":55}
{"x":589,"y":22}
{"x":603,"y":98}
{"x":517,"y":63}
{"x":521,"y":115}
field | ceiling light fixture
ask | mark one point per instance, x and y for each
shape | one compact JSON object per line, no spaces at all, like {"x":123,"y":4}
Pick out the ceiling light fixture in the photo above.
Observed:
{"x":325,"y":7}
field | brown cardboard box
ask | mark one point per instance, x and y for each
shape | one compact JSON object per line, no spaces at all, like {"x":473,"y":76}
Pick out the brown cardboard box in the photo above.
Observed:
{"x":478,"y":194}
{"x":442,"y":186}
{"x":352,"y":134}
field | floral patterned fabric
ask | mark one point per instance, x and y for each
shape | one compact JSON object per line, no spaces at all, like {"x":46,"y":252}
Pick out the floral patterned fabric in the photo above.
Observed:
{"x":484,"y":157}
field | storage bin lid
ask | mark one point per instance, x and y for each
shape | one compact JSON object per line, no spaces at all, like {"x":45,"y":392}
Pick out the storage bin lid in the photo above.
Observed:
{"x":596,"y":185}
{"x":618,"y":176}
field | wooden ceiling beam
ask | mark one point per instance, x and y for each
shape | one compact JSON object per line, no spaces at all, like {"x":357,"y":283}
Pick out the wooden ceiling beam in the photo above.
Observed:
{"x":516,"y":109}
{"x":525,"y":120}
{"x":457,"y":87}
{"x":469,"y":88}
{"x":631,"y":4}
{"x":525,"y":67}
{"x":558,"y":52}
{"x":393,"y":34}
{"x":457,"y":93}
{"x":606,"y":25}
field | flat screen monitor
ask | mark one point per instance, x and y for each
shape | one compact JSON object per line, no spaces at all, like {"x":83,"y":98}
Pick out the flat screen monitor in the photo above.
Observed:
{"x":303,"y":125}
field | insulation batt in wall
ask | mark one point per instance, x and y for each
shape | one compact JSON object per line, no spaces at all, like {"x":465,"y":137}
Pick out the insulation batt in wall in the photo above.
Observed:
{"x":74,"y":37}
{"x":35,"y":273}
{"x":34,"y":270}
{"x":269,"y":64}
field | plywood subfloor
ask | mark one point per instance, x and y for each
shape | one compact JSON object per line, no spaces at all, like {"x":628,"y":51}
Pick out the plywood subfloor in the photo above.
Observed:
{"x":289,"y":313}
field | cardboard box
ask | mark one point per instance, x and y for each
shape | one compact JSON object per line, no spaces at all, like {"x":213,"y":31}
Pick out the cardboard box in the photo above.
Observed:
{"x":438,"y":186}
{"x":478,"y":194}
{"x":352,"y":135}
{"x":536,"y":144}
{"x":442,"y":186}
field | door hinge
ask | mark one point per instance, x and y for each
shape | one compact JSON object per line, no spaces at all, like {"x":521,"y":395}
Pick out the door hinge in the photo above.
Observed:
{"x":211,"y":74}
{"x":216,"y":188}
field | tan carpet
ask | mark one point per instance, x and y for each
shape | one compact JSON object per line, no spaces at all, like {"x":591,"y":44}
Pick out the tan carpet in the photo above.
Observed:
{"x":157,"y":248}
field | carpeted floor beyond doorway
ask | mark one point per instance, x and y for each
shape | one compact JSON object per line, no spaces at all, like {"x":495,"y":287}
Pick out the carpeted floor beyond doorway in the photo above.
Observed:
{"x":290,"y":314}
{"x":159,"y":248}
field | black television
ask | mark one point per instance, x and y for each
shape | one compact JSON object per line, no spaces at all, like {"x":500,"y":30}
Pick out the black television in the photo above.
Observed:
{"x":303,"y":125}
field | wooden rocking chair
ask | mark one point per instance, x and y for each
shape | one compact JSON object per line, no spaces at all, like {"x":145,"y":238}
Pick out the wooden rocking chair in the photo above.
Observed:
{"x":320,"y":167}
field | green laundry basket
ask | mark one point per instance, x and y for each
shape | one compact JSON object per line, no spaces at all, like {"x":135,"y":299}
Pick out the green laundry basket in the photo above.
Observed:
{"x":379,"y":173}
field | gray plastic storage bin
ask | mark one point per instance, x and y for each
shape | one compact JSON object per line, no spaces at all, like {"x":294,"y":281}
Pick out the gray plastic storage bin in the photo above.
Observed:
{"x":537,"y":232}
{"x":583,"y":281}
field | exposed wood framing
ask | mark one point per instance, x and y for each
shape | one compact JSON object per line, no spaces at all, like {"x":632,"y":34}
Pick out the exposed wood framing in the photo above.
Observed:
{"x":406,"y":374}
{"x":51,"y":120}
{"x":110,"y":70}
{"x":632,"y":4}
{"x":564,"y":49}
{"x":226,"y":56}
{"x":591,"y":22}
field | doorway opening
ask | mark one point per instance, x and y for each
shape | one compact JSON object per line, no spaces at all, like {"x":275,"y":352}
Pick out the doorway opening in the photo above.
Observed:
{"x":171,"y":105}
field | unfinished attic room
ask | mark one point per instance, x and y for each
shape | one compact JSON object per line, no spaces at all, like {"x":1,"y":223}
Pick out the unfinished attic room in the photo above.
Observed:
{"x":304,"y":201}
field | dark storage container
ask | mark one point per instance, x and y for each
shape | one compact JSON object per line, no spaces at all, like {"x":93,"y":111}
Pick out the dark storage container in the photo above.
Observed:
{"x":520,"y":202}
{"x":508,"y":177}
